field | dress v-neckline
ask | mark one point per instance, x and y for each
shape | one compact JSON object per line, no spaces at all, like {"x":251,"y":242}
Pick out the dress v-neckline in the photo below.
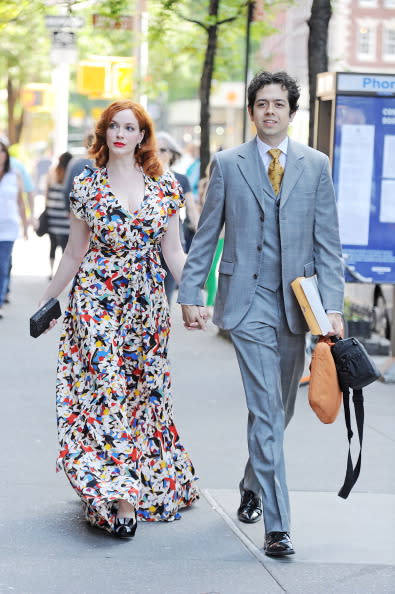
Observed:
{"x":117,"y":200}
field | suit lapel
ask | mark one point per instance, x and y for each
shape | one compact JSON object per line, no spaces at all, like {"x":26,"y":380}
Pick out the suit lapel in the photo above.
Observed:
{"x":252,"y":169}
{"x":293,"y":170}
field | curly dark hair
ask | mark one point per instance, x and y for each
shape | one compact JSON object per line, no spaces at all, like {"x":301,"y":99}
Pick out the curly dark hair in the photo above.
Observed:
{"x":261,"y":79}
{"x":145,"y":155}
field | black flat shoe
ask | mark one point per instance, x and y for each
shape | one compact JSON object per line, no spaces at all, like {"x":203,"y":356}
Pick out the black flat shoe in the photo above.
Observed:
{"x":125,"y":527}
{"x":250,"y":510}
{"x":278,"y":544}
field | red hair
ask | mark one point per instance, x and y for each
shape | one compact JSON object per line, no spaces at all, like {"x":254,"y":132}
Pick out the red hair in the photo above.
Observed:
{"x":146,"y":155}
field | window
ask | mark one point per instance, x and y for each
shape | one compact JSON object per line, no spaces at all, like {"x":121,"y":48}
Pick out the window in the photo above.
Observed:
{"x":389,"y":44}
{"x":368,"y":3}
{"x":366,"y":43}
{"x":389,"y":3}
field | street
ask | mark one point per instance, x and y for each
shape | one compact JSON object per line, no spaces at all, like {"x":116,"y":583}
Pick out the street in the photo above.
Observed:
{"x":342,"y":547}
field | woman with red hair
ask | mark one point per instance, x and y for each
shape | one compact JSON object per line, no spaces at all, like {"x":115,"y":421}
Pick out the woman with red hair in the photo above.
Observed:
{"x":119,"y":446}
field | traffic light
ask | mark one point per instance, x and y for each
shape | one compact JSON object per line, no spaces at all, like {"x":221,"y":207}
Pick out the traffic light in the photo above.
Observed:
{"x":122,"y":73}
{"x":94,"y":78}
{"x":107,"y":78}
{"x":37,"y":97}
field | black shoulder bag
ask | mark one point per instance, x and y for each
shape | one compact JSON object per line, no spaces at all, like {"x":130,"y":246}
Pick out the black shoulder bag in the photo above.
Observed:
{"x":355,"y":370}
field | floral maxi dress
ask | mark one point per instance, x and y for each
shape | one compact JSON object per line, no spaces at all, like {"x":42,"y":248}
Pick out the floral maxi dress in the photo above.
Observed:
{"x":115,"y":419}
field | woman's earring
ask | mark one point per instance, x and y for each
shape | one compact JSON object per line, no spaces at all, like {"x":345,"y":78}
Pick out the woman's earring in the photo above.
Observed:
{"x":139,"y":145}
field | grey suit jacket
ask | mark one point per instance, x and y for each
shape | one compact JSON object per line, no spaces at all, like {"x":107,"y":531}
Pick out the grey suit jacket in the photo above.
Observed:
{"x":308,"y":230}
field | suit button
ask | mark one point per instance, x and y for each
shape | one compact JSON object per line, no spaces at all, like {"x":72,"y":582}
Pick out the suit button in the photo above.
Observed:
{"x":255,"y":276}
{"x":262,"y":218}
{"x":259,"y":248}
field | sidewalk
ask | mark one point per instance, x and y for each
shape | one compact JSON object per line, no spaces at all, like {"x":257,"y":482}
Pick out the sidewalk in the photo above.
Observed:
{"x":342,"y":547}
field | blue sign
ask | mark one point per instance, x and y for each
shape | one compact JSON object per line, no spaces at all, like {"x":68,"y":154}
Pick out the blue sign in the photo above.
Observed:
{"x":364,"y":178}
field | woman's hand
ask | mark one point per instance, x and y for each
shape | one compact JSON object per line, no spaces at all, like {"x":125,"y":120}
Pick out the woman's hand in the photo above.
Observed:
{"x":53,"y":322}
{"x":194,"y":316}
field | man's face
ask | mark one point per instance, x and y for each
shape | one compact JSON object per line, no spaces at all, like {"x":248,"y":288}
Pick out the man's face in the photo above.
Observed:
{"x":270,"y":114}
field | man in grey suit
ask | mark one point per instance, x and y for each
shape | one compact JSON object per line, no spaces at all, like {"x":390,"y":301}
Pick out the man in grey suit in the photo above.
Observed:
{"x":279,"y":211}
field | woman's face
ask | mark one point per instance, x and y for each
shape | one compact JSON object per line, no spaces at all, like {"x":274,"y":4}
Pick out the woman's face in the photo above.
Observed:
{"x":123,"y":133}
{"x":164,"y":153}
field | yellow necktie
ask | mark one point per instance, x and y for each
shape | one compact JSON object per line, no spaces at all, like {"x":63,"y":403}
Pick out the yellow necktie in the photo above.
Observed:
{"x":276,"y":170}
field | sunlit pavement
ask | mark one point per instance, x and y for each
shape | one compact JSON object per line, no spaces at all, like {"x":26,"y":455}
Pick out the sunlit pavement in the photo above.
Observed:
{"x":341,"y":546}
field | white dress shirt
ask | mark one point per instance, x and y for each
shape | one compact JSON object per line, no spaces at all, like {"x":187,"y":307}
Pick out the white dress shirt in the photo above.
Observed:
{"x":263,"y":149}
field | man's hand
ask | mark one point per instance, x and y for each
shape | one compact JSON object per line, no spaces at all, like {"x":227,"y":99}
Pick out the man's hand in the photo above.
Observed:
{"x":194,"y":317}
{"x":336,"y":320}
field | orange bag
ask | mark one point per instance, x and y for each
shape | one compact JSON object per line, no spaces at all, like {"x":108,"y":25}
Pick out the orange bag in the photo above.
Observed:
{"x":325,"y":395}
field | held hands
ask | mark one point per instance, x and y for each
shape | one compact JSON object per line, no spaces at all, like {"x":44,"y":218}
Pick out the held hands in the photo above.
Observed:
{"x":194,"y":316}
{"x":336,"y":321}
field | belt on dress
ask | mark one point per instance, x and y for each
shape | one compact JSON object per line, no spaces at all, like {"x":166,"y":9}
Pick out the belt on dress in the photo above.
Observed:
{"x":137,"y":252}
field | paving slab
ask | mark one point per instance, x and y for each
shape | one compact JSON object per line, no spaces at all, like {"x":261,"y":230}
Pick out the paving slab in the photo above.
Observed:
{"x":333,"y":544}
{"x":322,"y":521}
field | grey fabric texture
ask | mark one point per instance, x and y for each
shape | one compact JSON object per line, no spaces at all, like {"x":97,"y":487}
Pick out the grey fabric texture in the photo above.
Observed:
{"x":307,"y":226}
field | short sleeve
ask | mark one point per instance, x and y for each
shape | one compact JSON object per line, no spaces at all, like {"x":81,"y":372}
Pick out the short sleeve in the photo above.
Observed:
{"x":78,"y":194}
{"x":174,"y":193}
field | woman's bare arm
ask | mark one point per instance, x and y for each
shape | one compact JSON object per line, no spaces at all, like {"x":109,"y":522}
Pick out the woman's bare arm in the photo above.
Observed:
{"x":172,"y":250}
{"x":76,"y":248}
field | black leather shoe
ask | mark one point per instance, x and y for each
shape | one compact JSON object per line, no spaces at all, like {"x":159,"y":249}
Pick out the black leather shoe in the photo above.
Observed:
{"x":278,"y":544}
{"x":250,"y":510}
{"x":125,"y":527}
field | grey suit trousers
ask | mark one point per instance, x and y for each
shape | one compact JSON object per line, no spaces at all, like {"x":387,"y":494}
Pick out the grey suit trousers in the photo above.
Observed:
{"x":271,"y":361}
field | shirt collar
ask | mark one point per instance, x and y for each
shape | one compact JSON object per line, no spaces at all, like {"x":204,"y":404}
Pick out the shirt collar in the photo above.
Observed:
{"x":263,"y":147}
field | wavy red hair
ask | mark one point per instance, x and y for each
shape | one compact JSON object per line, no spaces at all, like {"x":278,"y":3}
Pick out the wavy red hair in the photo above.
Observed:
{"x":146,"y":156}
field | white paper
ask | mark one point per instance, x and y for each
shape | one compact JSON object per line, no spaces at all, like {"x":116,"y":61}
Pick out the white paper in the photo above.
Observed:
{"x":355,"y":183}
{"x":389,"y":156}
{"x":387,"y":201}
{"x":310,"y":289}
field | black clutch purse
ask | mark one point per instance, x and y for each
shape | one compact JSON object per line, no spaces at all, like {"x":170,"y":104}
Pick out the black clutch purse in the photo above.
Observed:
{"x":39,"y":321}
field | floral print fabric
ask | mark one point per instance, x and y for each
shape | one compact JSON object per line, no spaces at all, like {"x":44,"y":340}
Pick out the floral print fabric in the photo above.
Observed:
{"x":115,"y":418}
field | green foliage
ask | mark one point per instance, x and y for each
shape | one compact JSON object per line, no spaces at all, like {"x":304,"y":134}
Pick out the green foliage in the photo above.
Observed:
{"x":23,"y":41}
{"x":178,"y":41}
{"x":114,"y":8}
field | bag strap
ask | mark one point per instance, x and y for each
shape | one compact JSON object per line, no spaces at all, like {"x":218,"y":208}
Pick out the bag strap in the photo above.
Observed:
{"x":352,"y":473}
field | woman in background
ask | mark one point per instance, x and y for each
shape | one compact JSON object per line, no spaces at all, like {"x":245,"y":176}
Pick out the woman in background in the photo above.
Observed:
{"x":12,"y":212}
{"x":57,"y":215}
{"x":169,"y":153}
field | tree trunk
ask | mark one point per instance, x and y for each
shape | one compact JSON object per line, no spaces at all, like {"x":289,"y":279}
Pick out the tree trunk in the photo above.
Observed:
{"x":11,"y":100}
{"x":205,"y":89}
{"x":321,"y":12}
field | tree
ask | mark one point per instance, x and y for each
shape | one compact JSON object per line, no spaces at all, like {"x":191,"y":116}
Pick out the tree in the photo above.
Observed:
{"x":22,"y":56}
{"x":321,"y":12}
{"x":211,"y":17}
{"x":25,"y":47}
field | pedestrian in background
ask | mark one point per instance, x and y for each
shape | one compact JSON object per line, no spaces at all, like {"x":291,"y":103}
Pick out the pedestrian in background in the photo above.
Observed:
{"x":57,"y":215}
{"x":77,"y":166}
{"x":119,"y":446}
{"x":28,"y":192}
{"x":277,"y":202}
{"x":169,"y":152}
{"x":212,"y":277}
{"x":193,"y":174}
{"x":28,"y":188}
{"x":41,"y":170}
{"x":12,"y":213}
